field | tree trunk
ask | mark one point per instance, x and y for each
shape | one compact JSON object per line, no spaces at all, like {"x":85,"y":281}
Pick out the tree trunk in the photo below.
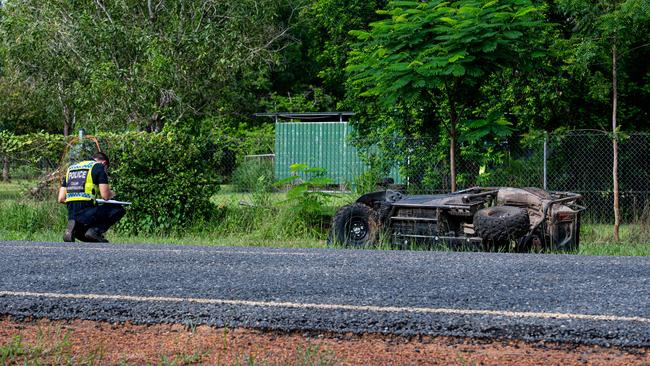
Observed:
{"x":150,"y":8}
{"x":68,"y":120}
{"x":453,"y":123}
{"x":5,"y":169}
{"x":452,"y":155}
{"x":617,"y":210}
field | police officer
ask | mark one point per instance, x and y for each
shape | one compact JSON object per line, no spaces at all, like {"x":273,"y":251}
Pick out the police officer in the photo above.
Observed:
{"x":82,"y":184}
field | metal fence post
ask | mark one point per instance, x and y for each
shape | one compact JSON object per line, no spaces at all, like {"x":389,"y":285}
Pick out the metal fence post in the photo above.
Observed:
{"x":545,"y":158}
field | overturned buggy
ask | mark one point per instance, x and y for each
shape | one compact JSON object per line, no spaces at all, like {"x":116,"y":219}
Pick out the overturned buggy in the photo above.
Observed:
{"x":498,"y":218}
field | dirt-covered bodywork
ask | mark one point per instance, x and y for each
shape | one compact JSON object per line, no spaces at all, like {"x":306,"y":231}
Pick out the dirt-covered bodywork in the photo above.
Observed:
{"x":498,"y":218}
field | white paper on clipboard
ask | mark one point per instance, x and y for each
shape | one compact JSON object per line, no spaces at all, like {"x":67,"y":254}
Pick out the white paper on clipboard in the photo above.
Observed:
{"x":99,"y":200}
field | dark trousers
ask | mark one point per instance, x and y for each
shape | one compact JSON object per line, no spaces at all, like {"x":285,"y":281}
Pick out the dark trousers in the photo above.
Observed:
{"x":100,"y":217}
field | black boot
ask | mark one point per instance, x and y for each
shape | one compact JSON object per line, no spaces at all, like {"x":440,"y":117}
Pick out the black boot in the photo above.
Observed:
{"x":68,"y":234}
{"x":95,"y":235}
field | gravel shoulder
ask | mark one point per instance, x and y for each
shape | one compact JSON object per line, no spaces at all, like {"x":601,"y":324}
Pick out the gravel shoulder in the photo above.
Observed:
{"x":106,"y":343}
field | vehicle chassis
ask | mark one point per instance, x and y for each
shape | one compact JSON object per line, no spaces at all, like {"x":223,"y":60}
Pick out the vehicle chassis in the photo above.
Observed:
{"x":552,"y":223}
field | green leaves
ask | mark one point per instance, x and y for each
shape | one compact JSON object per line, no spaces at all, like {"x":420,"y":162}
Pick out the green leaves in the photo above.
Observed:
{"x":431,"y":58}
{"x":525,"y":11}
{"x":111,"y":65}
{"x":306,"y":191}
{"x":596,"y":29}
{"x":10,"y":143}
{"x":479,"y":129}
{"x":512,"y":34}
{"x":454,"y":41}
{"x":169,"y":177}
{"x":456,"y":57}
{"x":455,"y":70}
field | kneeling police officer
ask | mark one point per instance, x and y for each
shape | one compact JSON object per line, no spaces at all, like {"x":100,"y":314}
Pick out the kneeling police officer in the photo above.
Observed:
{"x":83,"y":183}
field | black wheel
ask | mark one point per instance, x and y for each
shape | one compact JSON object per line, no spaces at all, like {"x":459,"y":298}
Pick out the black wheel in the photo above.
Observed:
{"x":498,"y":225}
{"x":354,"y":225}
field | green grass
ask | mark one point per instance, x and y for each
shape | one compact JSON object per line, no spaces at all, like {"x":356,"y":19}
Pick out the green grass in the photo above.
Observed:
{"x":46,"y":352}
{"x":240,"y":225}
{"x":30,"y":220}
{"x":14,"y":189}
{"x":617,"y":249}
{"x":597,"y":239}
{"x":52,"y":347}
{"x":244,"y":241}
{"x":60,"y":352}
{"x":255,"y":219}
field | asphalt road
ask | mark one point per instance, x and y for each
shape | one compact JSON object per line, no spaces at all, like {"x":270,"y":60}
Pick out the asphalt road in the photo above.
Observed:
{"x":596,"y":300}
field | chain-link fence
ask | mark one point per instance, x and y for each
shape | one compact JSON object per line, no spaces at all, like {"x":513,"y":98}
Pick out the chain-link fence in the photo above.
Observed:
{"x":247,"y":165}
{"x":578,"y":161}
{"x":582,"y":162}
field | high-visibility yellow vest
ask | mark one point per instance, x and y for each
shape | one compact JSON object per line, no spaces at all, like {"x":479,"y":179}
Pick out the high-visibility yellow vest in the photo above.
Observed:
{"x":80,"y":185}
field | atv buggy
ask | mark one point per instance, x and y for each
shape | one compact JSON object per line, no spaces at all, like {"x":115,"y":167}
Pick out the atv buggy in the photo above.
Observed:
{"x":499,"y":218}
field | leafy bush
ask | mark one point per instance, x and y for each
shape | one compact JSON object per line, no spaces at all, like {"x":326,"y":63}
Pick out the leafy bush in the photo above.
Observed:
{"x":29,"y":155}
{"x":253,"y":176}
{"x":25,"y":171}
{"x":306,"y":196}
{"x":169,"y":177}
{"x":524,"y":172}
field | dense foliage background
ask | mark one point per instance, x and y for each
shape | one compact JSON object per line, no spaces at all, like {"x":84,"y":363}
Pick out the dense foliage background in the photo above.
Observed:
{"x":141,"y":65}
{"x":470,"y":80}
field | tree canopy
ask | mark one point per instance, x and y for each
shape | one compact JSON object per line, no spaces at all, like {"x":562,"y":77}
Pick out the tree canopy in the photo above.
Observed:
{"x":135,"y":64}
{"x":437,"y":55}
{"x":470,"y":75}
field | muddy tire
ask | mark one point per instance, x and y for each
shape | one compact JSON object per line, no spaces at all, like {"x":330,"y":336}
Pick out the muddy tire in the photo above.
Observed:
{"x":354,"y":225}
{"x":500,"y":224}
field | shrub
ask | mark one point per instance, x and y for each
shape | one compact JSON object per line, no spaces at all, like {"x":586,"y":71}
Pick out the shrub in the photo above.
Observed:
{"x":25,"y":171}
{"x":307,"y":196}
{"x":251,"y":174}
{"x":169,"y":177}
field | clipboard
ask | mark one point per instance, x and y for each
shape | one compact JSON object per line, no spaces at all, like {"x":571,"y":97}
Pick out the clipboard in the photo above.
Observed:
{"x":112,"y":202}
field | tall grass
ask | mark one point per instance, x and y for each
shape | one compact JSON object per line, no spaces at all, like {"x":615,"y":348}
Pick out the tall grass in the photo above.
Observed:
{"x":29,"y":217}
{"x":14,"y":190}
{"x":259,"y":225}
{"x":22,"y":218}
{"x":598,"y":239}
{"x":259,"y":219}
{"x":52,"y":347}
{"x":239,"y":220}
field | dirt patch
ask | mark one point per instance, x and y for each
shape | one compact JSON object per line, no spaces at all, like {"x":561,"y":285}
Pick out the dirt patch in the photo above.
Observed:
{"x":86,"y":342}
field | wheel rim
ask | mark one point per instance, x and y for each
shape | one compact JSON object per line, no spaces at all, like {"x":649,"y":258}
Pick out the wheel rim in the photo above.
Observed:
{"x":357,"y":229}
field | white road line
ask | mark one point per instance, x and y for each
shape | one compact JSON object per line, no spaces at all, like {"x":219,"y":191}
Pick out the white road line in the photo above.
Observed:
{"x":117,"y":249}
{"x":362,"y":308}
